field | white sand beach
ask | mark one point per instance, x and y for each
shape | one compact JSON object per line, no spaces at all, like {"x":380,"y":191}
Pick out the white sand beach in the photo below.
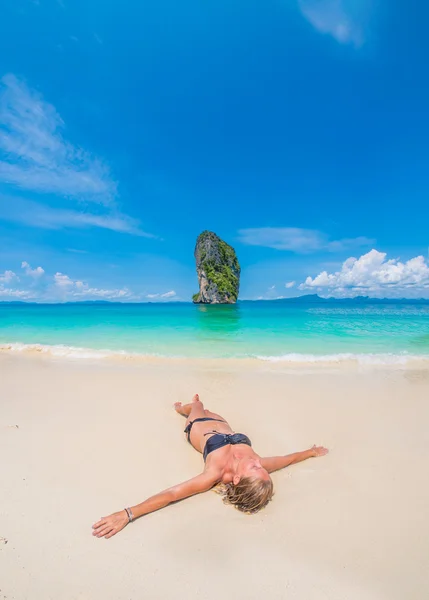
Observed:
{"x":81,"y":439}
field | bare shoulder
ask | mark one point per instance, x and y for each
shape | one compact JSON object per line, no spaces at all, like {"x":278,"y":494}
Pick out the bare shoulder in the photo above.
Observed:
{"x":213,"y":473}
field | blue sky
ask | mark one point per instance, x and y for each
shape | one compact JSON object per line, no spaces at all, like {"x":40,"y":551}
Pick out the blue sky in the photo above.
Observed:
{"x":295,"y":129}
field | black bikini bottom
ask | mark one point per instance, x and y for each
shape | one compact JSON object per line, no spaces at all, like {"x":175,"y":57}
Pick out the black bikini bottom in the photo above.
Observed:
{"x":189,"y":425}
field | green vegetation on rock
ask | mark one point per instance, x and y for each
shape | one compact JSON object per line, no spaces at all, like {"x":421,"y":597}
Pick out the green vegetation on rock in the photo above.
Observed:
{"x":223,"y":277}
{"x":218,"y":270}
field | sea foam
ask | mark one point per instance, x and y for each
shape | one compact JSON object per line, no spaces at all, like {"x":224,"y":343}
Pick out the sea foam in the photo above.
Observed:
{"x":358,"y":358}
{"x":61,"y":350}
{"x":74,"y":352}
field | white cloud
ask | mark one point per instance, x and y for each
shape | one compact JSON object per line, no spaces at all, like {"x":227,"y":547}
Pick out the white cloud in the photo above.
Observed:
{"x":268,"y":296}
{"x":33,"y":214}
{"x":60,"y":287}
{"x":290,"y":284}
{"x":20,"y":294}
{"x":166,"y":295}
{"x":77,"y":251}
{"x":37,"y":157}
{"x":116,"y":294}
{"x":16,"y":294}
{"x":67,"y":218}
{"x":63,"y":281}
{"x":373,"y":275}
{"x":7,"y":277}
{"x":78,"y":290}
{"x":344,"y":20}
{"x":294,"y":239}
{"x":37,"y":272}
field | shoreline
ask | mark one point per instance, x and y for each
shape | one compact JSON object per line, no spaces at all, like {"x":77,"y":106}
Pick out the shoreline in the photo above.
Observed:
{"x":290,"y":360}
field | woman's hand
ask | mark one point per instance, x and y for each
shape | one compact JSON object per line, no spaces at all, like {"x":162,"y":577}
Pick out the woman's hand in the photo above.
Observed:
{"x":109,"y":526}
{"x":319,"y":450}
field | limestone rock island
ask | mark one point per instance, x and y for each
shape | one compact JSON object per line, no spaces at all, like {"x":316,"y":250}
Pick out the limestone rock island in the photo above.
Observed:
{"x":218,"y":270}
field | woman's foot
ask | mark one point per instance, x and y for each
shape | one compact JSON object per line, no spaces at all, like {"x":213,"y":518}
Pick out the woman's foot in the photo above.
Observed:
{"x":185,"y":409}
{"x":182,"y":409}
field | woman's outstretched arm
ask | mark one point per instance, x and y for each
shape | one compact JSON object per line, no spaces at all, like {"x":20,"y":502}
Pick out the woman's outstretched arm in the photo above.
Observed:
{"x":274,"y":463}
{"x":109,"y":526}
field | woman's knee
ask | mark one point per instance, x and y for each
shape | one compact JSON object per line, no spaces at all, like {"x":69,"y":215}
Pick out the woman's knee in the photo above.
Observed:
{"x":196,"y":411}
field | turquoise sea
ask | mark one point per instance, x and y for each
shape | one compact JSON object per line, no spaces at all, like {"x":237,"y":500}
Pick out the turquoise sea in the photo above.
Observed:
{"x":278,"y":331}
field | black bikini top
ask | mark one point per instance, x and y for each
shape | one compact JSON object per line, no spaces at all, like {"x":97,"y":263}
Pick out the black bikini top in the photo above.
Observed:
{"x":219,"y":440}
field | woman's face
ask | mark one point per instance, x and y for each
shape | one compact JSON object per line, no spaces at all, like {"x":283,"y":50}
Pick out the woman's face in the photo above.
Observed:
{"x":251,"y":467}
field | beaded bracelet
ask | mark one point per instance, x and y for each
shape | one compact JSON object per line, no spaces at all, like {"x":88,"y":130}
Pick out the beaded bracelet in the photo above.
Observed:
{"x":130,"y":514}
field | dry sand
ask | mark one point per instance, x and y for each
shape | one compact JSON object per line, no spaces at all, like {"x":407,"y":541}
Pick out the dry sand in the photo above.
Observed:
{"x":95,"y":437}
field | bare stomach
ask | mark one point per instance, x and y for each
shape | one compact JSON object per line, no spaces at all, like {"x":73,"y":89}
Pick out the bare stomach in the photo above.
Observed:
{"x":203,"y":430}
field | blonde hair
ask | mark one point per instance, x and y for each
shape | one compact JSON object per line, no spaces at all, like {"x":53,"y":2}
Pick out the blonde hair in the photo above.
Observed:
{"x":250,"y":495}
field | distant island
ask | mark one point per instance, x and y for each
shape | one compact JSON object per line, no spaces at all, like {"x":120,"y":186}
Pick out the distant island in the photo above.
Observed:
{"x":315,"y":299}
{"x":307,"y":299}
{"x":218,"y":270}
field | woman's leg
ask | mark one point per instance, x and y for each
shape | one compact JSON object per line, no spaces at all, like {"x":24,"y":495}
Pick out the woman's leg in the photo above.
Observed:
{"x":193,"y":410}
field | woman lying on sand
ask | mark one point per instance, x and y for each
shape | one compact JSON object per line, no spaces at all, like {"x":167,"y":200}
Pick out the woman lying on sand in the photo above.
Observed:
{"x":229,"y":460}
